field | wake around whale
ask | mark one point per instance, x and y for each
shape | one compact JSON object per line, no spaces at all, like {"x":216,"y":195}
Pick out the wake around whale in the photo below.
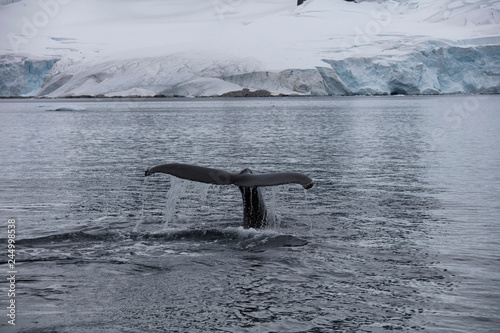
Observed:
{"x":254,"y":208}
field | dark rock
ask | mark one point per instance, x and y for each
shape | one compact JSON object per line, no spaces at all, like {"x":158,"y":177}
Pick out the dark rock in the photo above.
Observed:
{"x":247,"y":93}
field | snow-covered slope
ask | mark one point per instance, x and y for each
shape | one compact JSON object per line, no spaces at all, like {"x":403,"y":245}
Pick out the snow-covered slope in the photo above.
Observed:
{"x":61,"y":48}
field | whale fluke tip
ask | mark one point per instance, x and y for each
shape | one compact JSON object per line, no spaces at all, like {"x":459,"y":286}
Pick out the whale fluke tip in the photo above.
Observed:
{"x":309,"y":185}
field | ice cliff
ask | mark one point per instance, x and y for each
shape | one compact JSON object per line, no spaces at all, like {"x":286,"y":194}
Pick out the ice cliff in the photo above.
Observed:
{"x":23,"y":75}
{"x":442,"y":70}
{"x":63,"y":48}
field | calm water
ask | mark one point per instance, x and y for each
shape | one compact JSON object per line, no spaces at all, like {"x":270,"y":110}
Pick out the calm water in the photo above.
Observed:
{"x":401,"y":231}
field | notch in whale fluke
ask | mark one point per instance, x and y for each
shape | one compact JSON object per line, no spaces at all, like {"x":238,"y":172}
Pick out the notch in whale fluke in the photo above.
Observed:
{"x":220,"y":177}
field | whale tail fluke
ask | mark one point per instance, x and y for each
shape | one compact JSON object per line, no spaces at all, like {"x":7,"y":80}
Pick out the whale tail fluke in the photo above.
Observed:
{"x":220,"y":177}
{"x":254,"y":208}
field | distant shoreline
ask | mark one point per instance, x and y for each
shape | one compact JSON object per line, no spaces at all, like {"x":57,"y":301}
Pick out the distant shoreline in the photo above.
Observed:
{"x":232,"y":96}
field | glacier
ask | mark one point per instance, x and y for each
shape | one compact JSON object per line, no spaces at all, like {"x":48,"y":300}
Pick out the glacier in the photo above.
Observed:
{"x":443,"y":70}
{"x":92,"y":48}
{"x":23,"y":75}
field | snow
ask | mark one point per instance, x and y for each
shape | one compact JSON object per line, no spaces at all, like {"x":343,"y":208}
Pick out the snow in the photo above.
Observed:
{"x":208,"y":48}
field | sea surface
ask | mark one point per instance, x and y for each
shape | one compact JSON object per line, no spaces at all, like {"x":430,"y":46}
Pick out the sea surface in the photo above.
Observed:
{"x":400,"y":232}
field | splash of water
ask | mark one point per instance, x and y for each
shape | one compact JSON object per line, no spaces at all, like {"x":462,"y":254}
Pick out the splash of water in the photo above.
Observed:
{"x":307,"y":208}
{"x":203,"y":189}
{"x":188,"y":198}
{"x":273,"y":217}
{"x":141,"y":218}
{"x":178,"y":188}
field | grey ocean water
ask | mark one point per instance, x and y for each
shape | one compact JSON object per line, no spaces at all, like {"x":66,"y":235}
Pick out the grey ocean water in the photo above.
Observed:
{"x":400,"y":232}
